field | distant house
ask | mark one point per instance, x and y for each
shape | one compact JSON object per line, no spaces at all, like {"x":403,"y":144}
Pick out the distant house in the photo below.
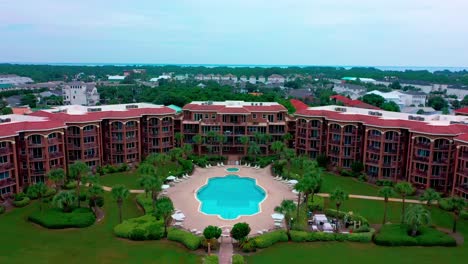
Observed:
{"x":352,"y":103}
{"x":462,"y":111}
{"x":261,"y":79}
{"x":14,"y":79}
{"x":199,"y":77}
{"x":164,"y":76}
{"x":352,"y":90}
{"x":21,"y":110}
{"x":303,"y":94}
{"x":181,"y":77}
{"x":364,"y":80}
{"x":414,"y":98}
{"x":276,"y":79}
{"x":252,"y":79}
{"x":116,"y":78}
{"x":243,"y":78}
{"x":415,"y":110}
{"x":80,"y":93}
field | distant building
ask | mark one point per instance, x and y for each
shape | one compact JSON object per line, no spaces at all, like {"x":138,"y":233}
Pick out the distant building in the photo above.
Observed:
{"x":462,"y":111}
{"x":199,"y":77}
{"x":243,"y":78}
{"x":364,"y":80}
{"x":276,"y":79}
{"x":351,"y":103}
{"x":80,"y":93}
{"x":164,"y":76}
{"x":261,"y":79}
{"x":181,"y":77}
{"x":402,"y":99}
{"x":116,"y":78}
{"x":352,"y":90}
{"x":252,"y":79}
{"x":21,"y":110}
{"x":415,"y":110}
{"x":14,"y":79}
{"x":137,"y":71}
{"x":303,"y":94}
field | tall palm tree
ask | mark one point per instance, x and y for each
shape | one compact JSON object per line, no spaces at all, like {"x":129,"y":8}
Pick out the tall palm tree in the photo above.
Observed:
{"x":254,"y":150}
{"x":258,"y":137}
{"x":77,"y":171}
{"x":120,"y":193}
{"x":386,"y":192}
{"x":155,"y":185}
{"x":430,"y":195}
{"x":221,"y":139}
{"x":57,"y":176}
{"x":338,"y":196}
{"x":197,"y":139}
{"x":286,"y":138}
{"x":41,"y":189}
{"x":287,"y":208}
{"x":179,"y":139}
{"x":187,"y":150}
{"x":404,"y":189}
{"x":277,"y":147}
{"x":146,"y":168}
{"x":145,"y":182}
{"x":458,"y":204}
{"x":176,"y":154}
{"x":162,"y":160}
{"x":416,"y":217}
{"x":245,"y":141}
{"x":300,"y":187}
{"x":94,"y":192}
{"x":164,"y":210}
{"x":65,"y":200}
{"x":289,"y":154}
{"x":312,"y":181}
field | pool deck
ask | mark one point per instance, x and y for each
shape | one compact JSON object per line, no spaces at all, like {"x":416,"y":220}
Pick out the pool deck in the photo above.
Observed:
{"x":183,"y":197}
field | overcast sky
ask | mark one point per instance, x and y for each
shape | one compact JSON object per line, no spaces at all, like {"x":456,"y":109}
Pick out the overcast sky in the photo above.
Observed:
{"x":305,"y":32}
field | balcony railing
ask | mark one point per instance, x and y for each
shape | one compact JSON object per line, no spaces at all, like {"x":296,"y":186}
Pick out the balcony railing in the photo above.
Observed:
{"x":53,"y":141}
{"x":6,"y":166}
{"x":37,"y":158}
{"x":7,"y":182}
{"x":421,"y":158}
{"x":55,"y":154}
{"x":8,"y":150}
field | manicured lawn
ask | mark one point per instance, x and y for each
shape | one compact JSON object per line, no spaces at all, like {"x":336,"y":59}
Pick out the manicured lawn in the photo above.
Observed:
{"x":129,"y":179}
{"x":23,"y":242}
{"x":350,"y":185}
{"x":345,"y":252}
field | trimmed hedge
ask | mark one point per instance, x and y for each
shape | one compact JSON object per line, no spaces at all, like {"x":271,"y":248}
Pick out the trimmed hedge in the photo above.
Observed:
{"x":318,"y":204}
{"x":22,"y":203}
{"x":141,"y":228}
{"x":385,"y":183}
{"x":213,"y":259}
{"x":444,"y":204}
{"x":341,"y":215}
{"x":464,"y":214}
{"x":397,"y":235}
{"x":268,"y":239}
{"x":238,"y":259}
{"x":2,"y":209}
{"x":55,"y":218}
{"x":70,"y":185}
{"x":190,"y":240}
{"x":302,"y":236}
{"x":145,"y":202}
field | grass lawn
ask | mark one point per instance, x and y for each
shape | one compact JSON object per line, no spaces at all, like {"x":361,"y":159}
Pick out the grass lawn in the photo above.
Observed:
{"x":23,"y":242}
{"x":129,"y":179}
{"x":345,"y":252}
{"x":350,"y":185}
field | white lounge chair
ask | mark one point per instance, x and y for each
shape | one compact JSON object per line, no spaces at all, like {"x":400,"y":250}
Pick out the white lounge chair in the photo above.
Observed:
{"x":207,"y":166}
{"x":219,"y":165}
{"x":314,"y":228}
{"x":260,"y":232}
{"x":194,"y":230}
{"x":222,"y":164}
{"x":248,"y":165}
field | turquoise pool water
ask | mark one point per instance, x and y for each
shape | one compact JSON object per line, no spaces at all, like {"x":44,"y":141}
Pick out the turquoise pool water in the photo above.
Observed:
{"x":232,"y":169}
{"x":230,"y":197}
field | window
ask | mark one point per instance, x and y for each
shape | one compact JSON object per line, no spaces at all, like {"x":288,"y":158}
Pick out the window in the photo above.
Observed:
{"x":4,"y":175}
{"x":3,"y":159}
{"x":53,"y":149}
{"x":206,"y":116}
{"x":88,"y":139}
{"x":88,"y":128}
{"x":3,"y":144}
{"x":264,"y":116}
{"x":53,"y":135}
{"x":36,"y":139}
{"x":213,"y":116}
{"x":254,"y":116}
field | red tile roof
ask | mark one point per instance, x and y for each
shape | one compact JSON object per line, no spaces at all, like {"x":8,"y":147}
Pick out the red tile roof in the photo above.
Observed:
{"x":463,"y":111}
{"x":298,"y":105}
{"x":12,"y":129}
{"x":21,"y":110}
{"x":353,"y":103}
{"x":462,"y":138}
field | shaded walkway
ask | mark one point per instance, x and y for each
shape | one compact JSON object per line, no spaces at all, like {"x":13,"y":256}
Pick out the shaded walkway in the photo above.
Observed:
{"x":377,"y":198}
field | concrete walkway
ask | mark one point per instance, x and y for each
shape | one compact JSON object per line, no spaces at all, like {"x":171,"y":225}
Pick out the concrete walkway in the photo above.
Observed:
{"x":377,"y":198}
{"x":109,"y":189}
{"x":225,"y":252}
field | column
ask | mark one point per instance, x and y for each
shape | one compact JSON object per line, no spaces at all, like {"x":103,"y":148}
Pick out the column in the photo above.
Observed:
{"x":15,"y":166}
{"x":429,"y":171}
{"x":455,"y":178}
{"x":381,"y":153}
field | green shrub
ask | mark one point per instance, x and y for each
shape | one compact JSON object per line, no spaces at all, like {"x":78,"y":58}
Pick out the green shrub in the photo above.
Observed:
{"x":237,"y":259}
{"x":99,"y":202}
{"x":350,"y":217}
{"x":268,"y":239}
{"x":145,"y":227}
{"x":346,"y":173}
{"x":190,"y":240}
{"x":145,"y":202}
{"x":362,"y":229}
{"x":50,"y":192}
{"x":385,"y":183}
{"x":464,"y":214}
{"x":398,"y":235}
{"x":317,"y":204}
{"x":2,"y":209}
{"x":322,"y":160}
{"x":444,"y":204}
{"x":213,"y":259}
{"x":70,"y":185}
{"x":21,"y":203}
{"x":19,"y":196}
{"x":302,"y":236}
{"x":55,"y":218}
{"x":362,"y":177}
{"x":249,"y":246}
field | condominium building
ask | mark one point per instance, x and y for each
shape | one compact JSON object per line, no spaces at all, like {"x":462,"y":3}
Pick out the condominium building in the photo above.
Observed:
{"x":80,"y":93}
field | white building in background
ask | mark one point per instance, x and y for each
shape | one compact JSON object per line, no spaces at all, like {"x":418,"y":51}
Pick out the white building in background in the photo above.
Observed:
{"x":80,"y":93}
{"x":352,"y":90}
{"x":243,"y":78}
{"x":116,"y":78}
{"x":403,"y":99}
{"x":261,"y":79}
{"x":253,"y":79}
{"x":14,"y":79}
{"x":276,"y":78}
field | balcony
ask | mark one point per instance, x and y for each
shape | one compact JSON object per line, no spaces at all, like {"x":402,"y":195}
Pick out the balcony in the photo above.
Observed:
{"x":7,"y":182}
{"x":53,"y":141}
{"x":73,"y":147}
{"x":443,"y":161}
{"x":91,"y":156}
{"x":90,"y":145}
{"x":132,"y":150}
{"x":423,"y":145}
{"x":116,"y":139}
{"x":420,"y":173}
{"x":90,"y":132}
{"x":373,"y":161}
{"x":190,"y":131}
{"x":40,"y":172}
{"x":56,"y":154}
{"x":34,"y":143}
{"x":373,"y":149}
{"x":6,"y":166}
{"x":390,"y":164}
{"x":442,"y":147}
{"x":167,"y":123}
{"x":8,"y":150}
{"x":374,"y":137}
{"x":117,"y":151}
{"x":421,"y":158}
{"x":36,"y":158}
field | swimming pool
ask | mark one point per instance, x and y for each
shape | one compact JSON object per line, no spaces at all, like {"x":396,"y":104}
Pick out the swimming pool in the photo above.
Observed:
{"x":230,"y":197}
{"x":232,"y":169}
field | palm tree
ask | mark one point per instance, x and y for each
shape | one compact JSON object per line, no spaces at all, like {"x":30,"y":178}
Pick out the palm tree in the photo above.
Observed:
{"x":312,"y":181}
{"x":155,"y":186}
{"x":254,"y":150}
{"x":197,"y":139}
{"x":176,"y":154}
{"x":300,"y":187}
{"x":146,"y":168}
{"x":386,"y":192}
{"x":120,"y":193}
{"x":458,"y":204}
{"x":288,"y":155}
{"x":41,"y":189}
{"x":178,"y":138}
{"x":57,"y":176}
{"x":221,"y":141}
{"x":404,"y":189}
{"x":187,"y":150}
{"x":164,"y":210}
{"x":416,"y":217}
{"x":287,"y":208}
{"x":430,"y":195}
{"x":145,"y":182}
{"x":245,"y":141}
{"x":286,"y":138}
{"x":94,"y":192}
{"x":65,"y":200}
{"x":338,"y":196}
{"x":258,"y":137}
{"x":77,"y":171}
{"x":162,"y":159}
{"x":277,"y":147}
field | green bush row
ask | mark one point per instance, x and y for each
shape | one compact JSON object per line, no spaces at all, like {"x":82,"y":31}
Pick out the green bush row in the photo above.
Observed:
{"x":141,"y":228}
{"x":54,"y":218}
{"x":70,"y":185}
{"x":268,"y":239}
{"x":112,"y":169}
{"x":190,"y":240}
{"x":317,"y":204}
{"x":261,"y":161}
{"x":398,"y":235}
{"x":444,"y":204}
{"x":145,"y":202}
{"x":464,"y":214}
{"x":212,"y":259}
{"x":22,"y":203}
{"x":341,"y":215}
{"x":238,"y":259}
{"x":2,"y":209}
{"x":302,"y":236}
{"x":385,"y":183}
